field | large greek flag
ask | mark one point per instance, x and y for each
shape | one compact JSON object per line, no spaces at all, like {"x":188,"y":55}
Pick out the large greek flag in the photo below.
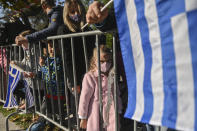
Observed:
{"x":159,"y":47}
{"x":13,"y":78}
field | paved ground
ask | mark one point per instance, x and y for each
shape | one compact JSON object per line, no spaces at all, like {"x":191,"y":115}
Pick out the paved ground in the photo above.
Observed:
{"x":12,"y":126}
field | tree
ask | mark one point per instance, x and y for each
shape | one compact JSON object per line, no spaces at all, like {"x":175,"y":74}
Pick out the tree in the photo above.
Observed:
{"x":28,"y":11}
{"x":18,"y":5}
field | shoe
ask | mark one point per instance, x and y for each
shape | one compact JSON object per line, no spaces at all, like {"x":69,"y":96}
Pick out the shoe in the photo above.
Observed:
{"x":38,"y":126}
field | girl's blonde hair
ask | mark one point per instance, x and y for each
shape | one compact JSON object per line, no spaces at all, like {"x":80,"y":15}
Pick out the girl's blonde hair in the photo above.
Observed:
{"x":73,"y":26}
{"x":94,"y":59}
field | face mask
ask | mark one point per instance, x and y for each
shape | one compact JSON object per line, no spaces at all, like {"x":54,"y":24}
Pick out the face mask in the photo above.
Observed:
{"x":105,"y":66}
{"x":75,"y":18}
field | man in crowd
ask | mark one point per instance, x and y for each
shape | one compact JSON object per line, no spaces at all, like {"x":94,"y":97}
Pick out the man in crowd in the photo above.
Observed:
{"x":54,"y":14}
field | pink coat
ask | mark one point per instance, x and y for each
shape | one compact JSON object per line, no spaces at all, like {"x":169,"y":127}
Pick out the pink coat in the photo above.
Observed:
{"x":89,"y":102}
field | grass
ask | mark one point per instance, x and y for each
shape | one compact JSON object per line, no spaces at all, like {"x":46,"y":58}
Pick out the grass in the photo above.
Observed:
{"x":23,"y":120}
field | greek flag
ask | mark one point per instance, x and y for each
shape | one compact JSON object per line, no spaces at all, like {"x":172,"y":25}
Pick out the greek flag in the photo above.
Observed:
{"x":13,"y":78}
{"x":159,"y":47}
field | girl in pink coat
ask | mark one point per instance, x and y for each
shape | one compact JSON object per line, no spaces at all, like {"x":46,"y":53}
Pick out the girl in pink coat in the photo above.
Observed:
{"x":89,"y":99}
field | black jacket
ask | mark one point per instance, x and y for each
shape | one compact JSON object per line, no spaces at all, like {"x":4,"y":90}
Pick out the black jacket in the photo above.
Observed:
{"x":79,"y":54}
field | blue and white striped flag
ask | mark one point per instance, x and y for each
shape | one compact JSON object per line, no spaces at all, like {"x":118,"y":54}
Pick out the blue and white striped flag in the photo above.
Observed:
{"x":28,"y":95}
{"x":159,"y":47}
{"x":14,"y":77}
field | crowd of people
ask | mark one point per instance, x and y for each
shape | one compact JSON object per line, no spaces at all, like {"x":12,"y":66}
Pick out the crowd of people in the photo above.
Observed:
{"x":67,"y":20}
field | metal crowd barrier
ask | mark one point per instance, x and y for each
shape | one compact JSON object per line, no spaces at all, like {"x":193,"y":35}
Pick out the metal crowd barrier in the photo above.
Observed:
{"x":36,"y":86}
{"x":71,"y":121}
{"x":9,"y":53}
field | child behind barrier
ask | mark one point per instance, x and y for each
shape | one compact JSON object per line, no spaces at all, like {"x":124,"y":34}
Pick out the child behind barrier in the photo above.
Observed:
{"x":27,"y":75}
{"x":48,"y":74}
{"x":89,"y":99}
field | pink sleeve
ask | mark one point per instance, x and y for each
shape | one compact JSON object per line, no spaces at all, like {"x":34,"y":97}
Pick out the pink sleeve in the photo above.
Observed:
{"x":88,"y":86}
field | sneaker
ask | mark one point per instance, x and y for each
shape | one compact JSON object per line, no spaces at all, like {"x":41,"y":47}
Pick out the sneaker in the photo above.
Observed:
{"x":38,"y":126}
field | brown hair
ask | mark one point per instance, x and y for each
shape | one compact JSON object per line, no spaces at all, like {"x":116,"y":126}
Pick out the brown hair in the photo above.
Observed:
{"x":50,"y":3}
{"x":73,"y":26}
{"x":94,"y":59}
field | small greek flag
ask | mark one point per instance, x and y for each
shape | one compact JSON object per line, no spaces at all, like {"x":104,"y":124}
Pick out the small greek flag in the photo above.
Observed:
{"x":13,"y":78}
{"x":159,"y":48}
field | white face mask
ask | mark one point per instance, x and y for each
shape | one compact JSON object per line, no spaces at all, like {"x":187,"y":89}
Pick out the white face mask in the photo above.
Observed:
{"x":105,"y":67}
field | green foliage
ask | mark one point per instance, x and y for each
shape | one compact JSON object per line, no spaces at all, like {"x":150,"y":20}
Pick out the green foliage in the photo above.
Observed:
{"x":23,"y":120}
{"x":6,"y":112}
{"x":17,"y":5}
{"x":109,"y":40}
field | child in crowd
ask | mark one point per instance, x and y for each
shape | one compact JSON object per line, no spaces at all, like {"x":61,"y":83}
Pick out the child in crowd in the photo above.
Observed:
{"x":89,"y":99}
{"x":27,"y":74}
{"x":74,"y":19}
{"x":48,"y":74}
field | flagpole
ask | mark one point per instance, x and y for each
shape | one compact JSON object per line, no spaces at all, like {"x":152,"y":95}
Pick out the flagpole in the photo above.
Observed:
{"x":104,"y":7}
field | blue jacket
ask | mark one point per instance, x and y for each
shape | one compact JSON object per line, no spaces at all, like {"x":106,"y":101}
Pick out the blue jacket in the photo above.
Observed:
{"x":49,"y":76}
{"x":55,"y":20}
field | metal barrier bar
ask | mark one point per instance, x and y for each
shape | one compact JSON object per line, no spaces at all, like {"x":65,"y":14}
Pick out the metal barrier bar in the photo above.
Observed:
{"x":115,"y":85}
{"x":97,"y":32}
{"x":7,"y":119}
{"x":135,"y":125}
{"x":20,"y":53}
{"x":65,"y":84}
{"x":85,"y":52}
{"x":99,"y":85}
{"x":42,"y":81}
{"x":52,"y":121}
{"x":37,"y":81}
{"x":31,"y":69}
{"x":75,"y":81}
{"x":15,"y":53}
{"x":7,"y":67}
{"x":157,"y":128}
{"x":50,"y":91}
{"x":57,"y":83}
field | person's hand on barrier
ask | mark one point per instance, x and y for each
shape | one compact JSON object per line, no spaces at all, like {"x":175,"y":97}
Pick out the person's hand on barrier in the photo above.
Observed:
{"x":21,"y":41}
{"x":94,"y":14}
{"x":41,"y":61}
{"x":78,"y":89}
{"x":28,"y":74}
{"x":83,"y":124}
{"x":17,"y":40}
